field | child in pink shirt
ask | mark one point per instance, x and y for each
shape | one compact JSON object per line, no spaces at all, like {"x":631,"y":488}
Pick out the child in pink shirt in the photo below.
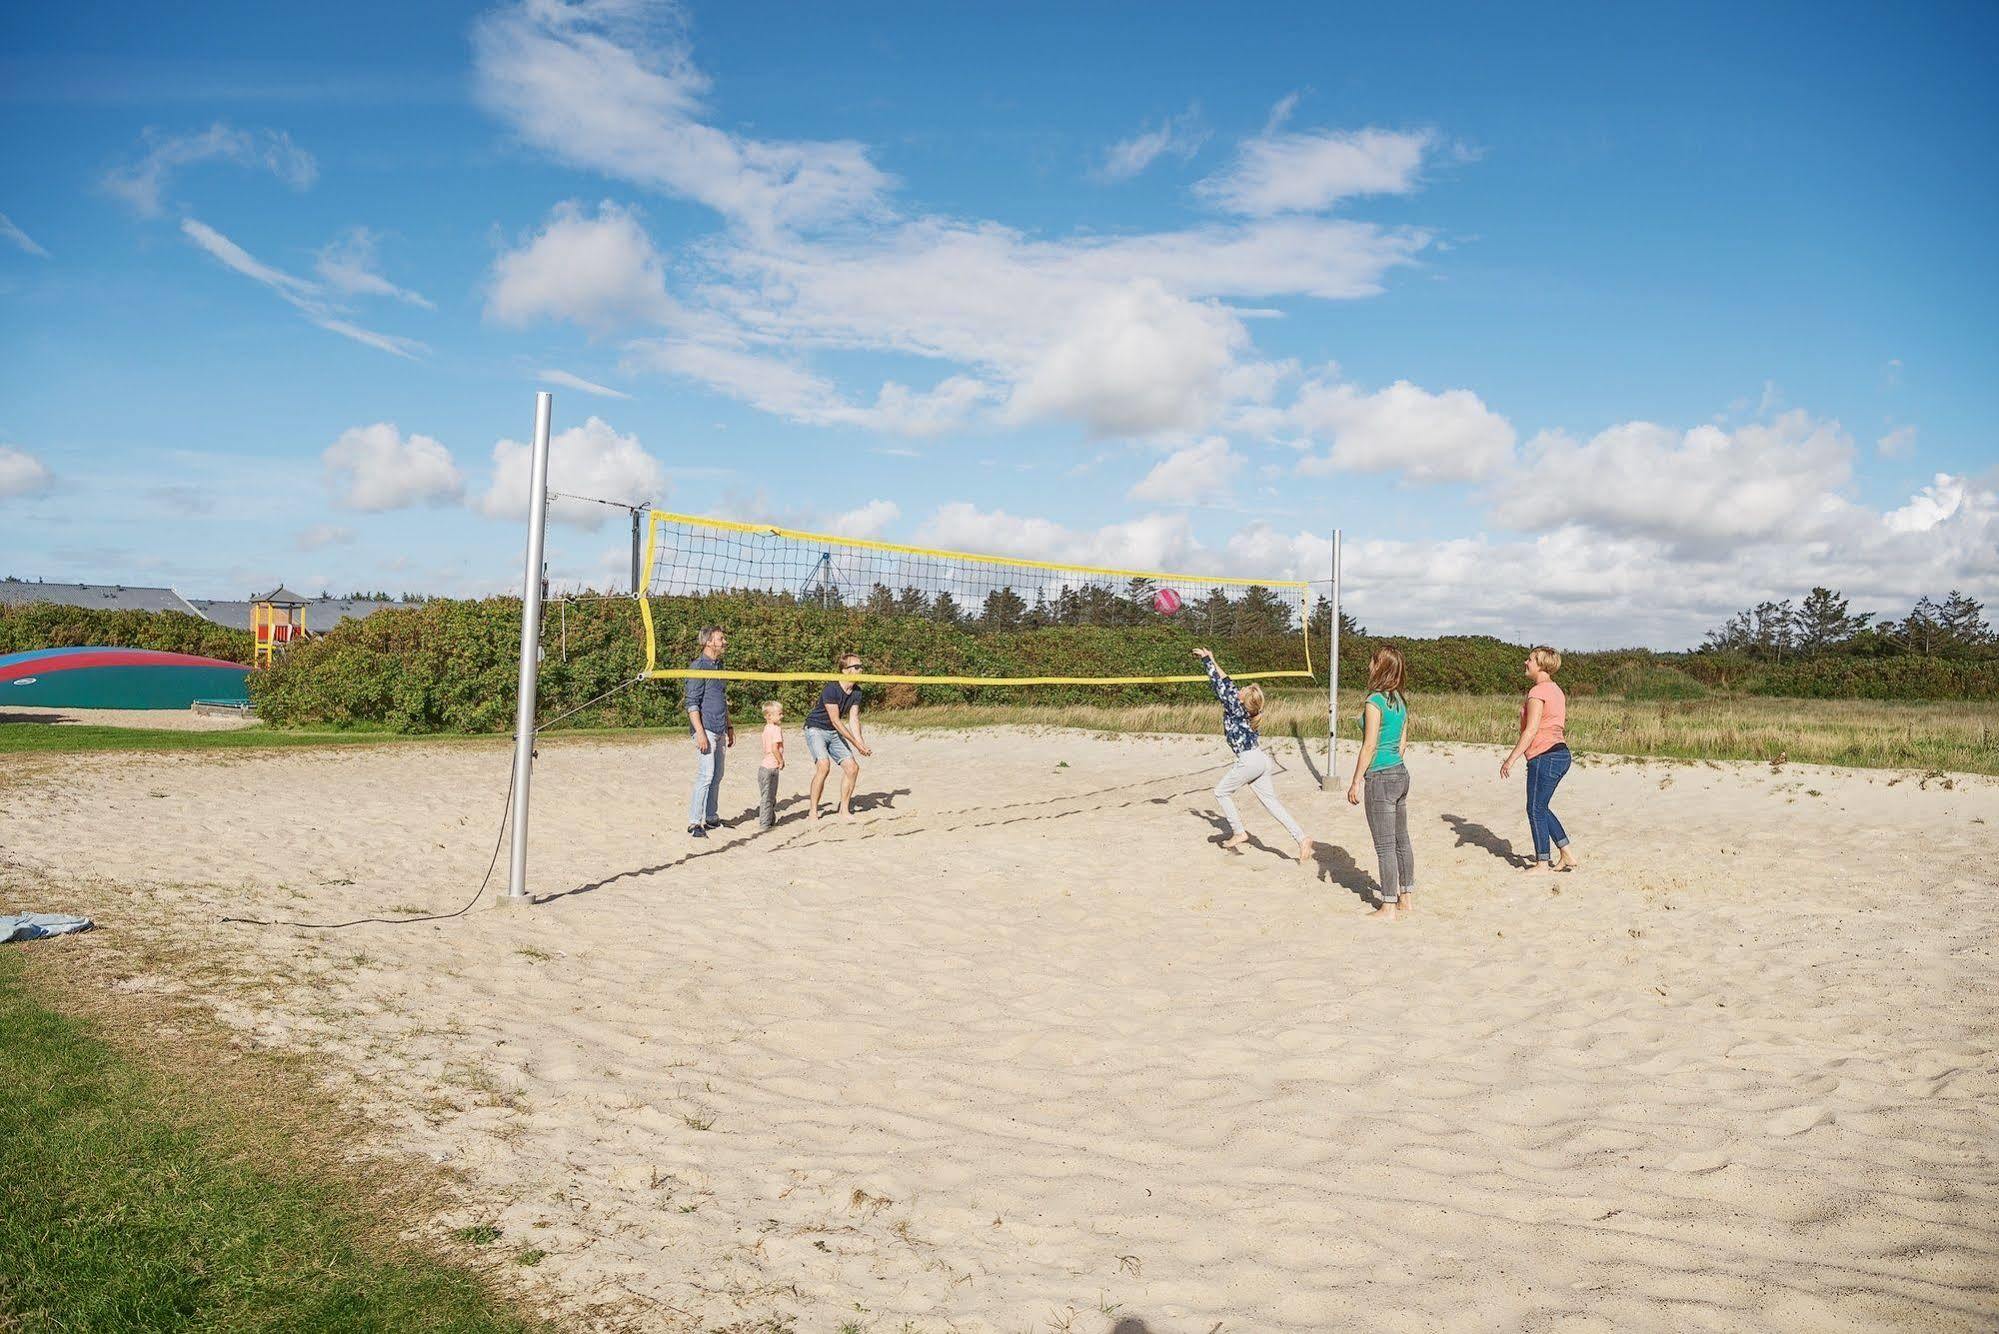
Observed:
{"x":773,"y":764}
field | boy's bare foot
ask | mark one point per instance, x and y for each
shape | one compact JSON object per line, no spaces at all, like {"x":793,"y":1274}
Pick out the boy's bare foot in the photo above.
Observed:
{"x":1386,"y":910}
{"x":1234,"y":841}
{"x":1568,"y":862}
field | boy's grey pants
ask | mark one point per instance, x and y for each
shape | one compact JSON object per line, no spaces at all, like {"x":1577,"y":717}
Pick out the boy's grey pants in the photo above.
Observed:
{"x":1385,"y":793}
{"x":1252,"y":769}
{"x":766,"y":798}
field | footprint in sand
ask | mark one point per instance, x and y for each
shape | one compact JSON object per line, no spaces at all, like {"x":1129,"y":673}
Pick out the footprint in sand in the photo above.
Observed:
{"x":1796,"y":1121}
{"x":1699,"y":1163}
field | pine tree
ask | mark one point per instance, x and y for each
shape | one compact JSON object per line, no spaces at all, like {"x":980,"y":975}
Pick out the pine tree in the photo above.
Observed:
{"x":1004,"y":610}
{"x":1824,"y":623}
{"x":1962,"y":619}
{"x":946,"y":611}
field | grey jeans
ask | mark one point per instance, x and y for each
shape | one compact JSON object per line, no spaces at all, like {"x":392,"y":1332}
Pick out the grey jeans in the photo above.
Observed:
{"x":1252,"y":769}
{"x":1386,"y":794}
{"x":766,"y":798}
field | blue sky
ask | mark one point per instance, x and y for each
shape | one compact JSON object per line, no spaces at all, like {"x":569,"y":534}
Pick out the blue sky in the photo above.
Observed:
{"x":1585,"y":327}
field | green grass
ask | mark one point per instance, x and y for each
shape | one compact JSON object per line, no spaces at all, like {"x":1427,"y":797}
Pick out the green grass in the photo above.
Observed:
{"x":1667,"y":716}
{"x":134,"y":1199}
{"x":1963,"y":737}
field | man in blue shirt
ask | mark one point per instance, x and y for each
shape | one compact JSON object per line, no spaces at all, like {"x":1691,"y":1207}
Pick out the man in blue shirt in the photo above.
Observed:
{"x":708,"y":718}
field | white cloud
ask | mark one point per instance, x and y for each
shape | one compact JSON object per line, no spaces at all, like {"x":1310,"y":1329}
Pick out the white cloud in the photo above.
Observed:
{"x":787,"y":390}
{"x":1898,"y":443}
{"x":322,"y":535}
{"x":1154,"y":542}
{"x":870,"y":520}
{"x":599,"y":273}
{"x":308,"y":297}
{"x":9,"y":231}
{"x":1942,"y":500}
{"x":21,"y":473}
{"x":349,"y":264}
{"x":1138,"y":361}
{"x":143,"y":184}
{"x":1202,"y":471}
{"x":610,"y":85}
{"x":1448,"y":436}
{"x":587,"y":460}
{"x":1767,"y":481}
{"x":817,"y":260}
{"x":1181,"y":136}
{"x":377,"y":468}
{"x":1310,"y":171}
{"x":568,"y":381}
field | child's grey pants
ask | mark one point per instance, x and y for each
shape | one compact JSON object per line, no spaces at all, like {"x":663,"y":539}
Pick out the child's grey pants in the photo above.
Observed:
{"x":1252,"y":769}
{"x":1386,"y":794}
{"x":766,"y":798}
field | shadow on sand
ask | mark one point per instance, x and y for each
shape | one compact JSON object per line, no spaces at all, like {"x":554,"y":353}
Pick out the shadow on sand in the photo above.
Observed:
{"x":1478,"y":836}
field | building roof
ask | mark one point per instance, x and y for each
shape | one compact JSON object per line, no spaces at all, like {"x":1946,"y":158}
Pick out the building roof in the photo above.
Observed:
{"x":111,"y":597}
{"x":281,"y":594}
{"x":320,"y":613}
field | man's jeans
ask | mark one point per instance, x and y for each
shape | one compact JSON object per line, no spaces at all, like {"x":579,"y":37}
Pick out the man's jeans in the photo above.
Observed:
{"x":702,"y":805}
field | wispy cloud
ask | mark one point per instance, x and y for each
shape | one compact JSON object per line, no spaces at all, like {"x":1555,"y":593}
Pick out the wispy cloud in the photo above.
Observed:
{"x":21,"y":473}
{"x":1308,"y":171}
{"x":19,"y":237}
{"x":349,"y":264}
{"x":1181,"y":136}
{"x":143,"y":184}
{"x":568,"y":381}
{"x":307,"y":297}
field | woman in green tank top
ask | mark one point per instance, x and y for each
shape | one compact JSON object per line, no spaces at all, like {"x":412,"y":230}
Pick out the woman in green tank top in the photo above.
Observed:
{"x":1379,"y":770}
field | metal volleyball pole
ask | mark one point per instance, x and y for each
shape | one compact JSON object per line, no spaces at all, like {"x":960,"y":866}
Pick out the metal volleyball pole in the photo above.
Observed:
{"x":1333,"y":685}
{"x":524,"y":710}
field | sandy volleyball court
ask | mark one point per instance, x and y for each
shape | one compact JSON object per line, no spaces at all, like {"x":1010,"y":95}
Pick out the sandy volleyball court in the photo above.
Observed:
{"x":1024,"y":1051}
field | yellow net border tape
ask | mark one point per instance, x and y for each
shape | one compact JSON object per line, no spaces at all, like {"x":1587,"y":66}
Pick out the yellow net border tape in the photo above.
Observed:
{"x":863,"y":544}
{"x":665,"y":674}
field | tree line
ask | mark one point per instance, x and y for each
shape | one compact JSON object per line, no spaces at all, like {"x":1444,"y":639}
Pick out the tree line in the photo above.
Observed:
{"x":1823,"y":625}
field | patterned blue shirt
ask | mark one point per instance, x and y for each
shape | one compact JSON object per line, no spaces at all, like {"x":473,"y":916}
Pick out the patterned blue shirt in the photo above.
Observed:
{"x":1235,"y":719}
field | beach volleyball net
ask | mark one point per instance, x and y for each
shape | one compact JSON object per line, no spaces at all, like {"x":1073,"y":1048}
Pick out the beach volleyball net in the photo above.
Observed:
{"x":691,"y":557}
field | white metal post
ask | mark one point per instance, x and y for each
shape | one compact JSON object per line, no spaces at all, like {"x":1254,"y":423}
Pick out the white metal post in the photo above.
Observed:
{"x":1333,"y":687}
{"x":524,"y":710}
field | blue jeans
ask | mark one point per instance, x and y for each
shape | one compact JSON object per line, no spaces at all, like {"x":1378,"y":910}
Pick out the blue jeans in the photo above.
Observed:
{"x":702,"y":805}
{"x":1544,"y":774}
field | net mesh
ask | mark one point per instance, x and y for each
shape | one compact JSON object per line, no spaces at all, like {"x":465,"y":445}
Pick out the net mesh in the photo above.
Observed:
{"x":692,"y":557}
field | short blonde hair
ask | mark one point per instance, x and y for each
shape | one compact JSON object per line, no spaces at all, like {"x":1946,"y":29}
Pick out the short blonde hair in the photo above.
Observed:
{"x":773,"y":705}
{"x":1251,"y":696}
{"x":1547,"y":659}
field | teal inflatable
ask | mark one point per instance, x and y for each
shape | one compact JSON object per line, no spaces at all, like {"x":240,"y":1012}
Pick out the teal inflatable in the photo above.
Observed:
{"x":118,"y":678}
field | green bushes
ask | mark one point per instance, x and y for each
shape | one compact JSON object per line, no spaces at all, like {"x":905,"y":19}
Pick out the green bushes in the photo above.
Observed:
{"x":450,"y":666}
{"x":53,"y":625}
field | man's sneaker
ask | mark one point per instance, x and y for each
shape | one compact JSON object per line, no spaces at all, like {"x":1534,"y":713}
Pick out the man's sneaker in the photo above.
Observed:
{"x":711,"y":824}
{"x":696,"y":831}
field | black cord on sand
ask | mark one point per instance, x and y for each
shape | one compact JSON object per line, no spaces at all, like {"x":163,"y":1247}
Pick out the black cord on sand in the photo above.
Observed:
{"x":499,"y":841}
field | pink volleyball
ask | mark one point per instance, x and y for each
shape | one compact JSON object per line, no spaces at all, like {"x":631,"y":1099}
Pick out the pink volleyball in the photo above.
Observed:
{"x":1166,"y":602}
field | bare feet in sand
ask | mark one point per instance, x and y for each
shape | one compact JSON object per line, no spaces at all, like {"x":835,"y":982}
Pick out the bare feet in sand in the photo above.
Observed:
{"x":848,"y":816}
{"x":1385,"y":911}
{"x":1234,"y":841}
{"x":1568,"y":861}
{"x":1406,"y":904}
{"x":1536,"y":867}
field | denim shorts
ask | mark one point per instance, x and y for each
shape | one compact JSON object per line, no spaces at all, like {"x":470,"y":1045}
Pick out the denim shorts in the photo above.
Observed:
{"x":825,"y":744}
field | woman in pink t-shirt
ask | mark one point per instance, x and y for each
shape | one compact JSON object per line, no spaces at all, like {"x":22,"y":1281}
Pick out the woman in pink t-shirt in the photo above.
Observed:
{"x":1543,"y":719}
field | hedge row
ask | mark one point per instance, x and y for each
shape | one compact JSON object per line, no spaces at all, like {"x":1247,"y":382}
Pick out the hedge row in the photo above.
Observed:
{"x":451,"y":665}
{"x":38,"y":625}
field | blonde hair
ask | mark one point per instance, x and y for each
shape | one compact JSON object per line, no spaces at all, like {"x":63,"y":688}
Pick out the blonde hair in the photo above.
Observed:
{"x":1547,"y":659}
{"x":1251,"y":696}
{"x":1387,"y":671}
{"x":771,"y":704}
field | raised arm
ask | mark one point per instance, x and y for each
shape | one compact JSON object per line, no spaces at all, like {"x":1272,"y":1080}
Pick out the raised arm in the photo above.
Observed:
{"x":1218,"y":681}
